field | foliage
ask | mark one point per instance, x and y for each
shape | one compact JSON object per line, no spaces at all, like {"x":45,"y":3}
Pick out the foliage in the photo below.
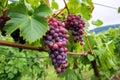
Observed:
{"x":54,"y":5}
{"x":32,"y":25}
{"x":119,"y":10}
{"x":97,"y":22}
{"x":15,"y":64}
{"x":30,"y":17}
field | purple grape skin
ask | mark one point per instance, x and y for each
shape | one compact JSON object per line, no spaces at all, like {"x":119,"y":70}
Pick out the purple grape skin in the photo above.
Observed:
{"x":60,"y":44}
{"x":63,"y":62}
{"x":49,"y":37}
{"x":64,"y":66}
{"x":55,"y":35}
{"x":52,"y":32}
{"x":55,"y":24}
{"x":50,"y":44}
{"x":52,"y":56}
{"x":58,"y":70}
{"x":56,"y":53}
{"x":54,"y":61}
{"x":59,"y":57}
{"x":55,"y":46}
{"x":61,"y":49}
{"x":59,"y":61}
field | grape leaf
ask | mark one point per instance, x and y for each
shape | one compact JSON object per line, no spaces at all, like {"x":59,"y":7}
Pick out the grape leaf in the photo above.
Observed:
{"x":97,"y":22}
{"x":69,"y":74}
{"x":90,"y":3}
{"x":14,"y":0}
{"x":80,"y":7}
{"x":54,"y":5}
{"x":119,"y":10}
{"x":110,"y":46}
{"x":32,"y":26}
{"x":90,"y":57}
{"x":10,"y":75}
{"x":74,"y":6}
{"x":85,"y":11}
{"x":34,"y":3}
{"x":3,"y":4}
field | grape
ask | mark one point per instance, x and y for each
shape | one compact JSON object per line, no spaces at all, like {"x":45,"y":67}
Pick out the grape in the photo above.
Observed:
{"x":56,"y":39}
{"x":76,"y":25}
{"x":59,"y":70}
{"x":3,"y":20}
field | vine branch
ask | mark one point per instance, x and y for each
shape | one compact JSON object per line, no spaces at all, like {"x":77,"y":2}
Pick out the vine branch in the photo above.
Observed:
{"x":59,"y":12}
{"x":66,"y":6}
{"x":23,"y":46}
{"x":86,"y":36}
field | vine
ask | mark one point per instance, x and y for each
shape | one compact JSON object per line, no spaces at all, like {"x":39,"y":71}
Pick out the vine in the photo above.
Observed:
{"x":27,"y":28}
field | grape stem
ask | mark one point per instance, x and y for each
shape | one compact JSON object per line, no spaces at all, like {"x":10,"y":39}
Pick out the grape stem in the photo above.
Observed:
{"x":23,"y":46}
{"x":86,"y":36}
{"x":83,"y":49}
{"x":55,"y":15}
{"x":66,"y":6}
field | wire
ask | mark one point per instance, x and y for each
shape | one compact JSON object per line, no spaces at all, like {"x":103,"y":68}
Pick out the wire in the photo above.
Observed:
{"x":106,"y":6}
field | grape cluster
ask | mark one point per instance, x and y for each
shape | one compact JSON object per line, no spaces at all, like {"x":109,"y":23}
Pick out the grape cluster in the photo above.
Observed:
{"x":56,"y":39}
{"x":76,"y":25}
{"x":3,"y":19}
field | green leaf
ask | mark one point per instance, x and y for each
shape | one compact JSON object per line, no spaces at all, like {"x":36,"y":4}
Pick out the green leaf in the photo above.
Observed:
{"x":10,"y":75}
{"x":74,"y":6}
{"x":29,"y":7}
{"x":32,"y":26}
{"x":85,"y":11}
{"x":69,"y":74}
{"x":4,"y":3}
{"x":90,"y":57}
{"x":14,"y":0}
{"x":110,"y":46}
{"x":119,"y":10}
{"x":34,"y":3}
{"x":88,"y":2}
{"x":97,"y":22}
{"x":54,"y":5}
{"x":98,"y":52}
{"x":37,"y":69}
{"x":77,"y":47}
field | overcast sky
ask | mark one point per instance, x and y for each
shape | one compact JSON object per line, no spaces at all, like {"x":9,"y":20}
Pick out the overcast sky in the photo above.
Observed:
{"x":107,"y":15}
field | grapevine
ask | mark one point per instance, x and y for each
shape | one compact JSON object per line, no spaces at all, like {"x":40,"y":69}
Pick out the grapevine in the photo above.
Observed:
{"x":56,"y":39}
{"x":31,"y":26}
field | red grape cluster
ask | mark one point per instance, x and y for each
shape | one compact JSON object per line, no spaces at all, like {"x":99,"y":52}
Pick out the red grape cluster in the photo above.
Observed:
{"x":56,"y":39}
{"x":3,"y":19}
{"x":76,"y":25}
